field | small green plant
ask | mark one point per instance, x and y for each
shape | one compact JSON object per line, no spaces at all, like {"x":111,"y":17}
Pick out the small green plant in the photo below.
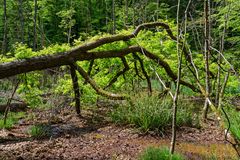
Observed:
{"x":152,"y":113}
{"x":39,"y":131}
{"x":12,"y":119}
{"x":152,"y":153}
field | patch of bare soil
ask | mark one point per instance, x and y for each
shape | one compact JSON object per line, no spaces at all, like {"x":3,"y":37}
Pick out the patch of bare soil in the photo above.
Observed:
{"x":93,"y":137}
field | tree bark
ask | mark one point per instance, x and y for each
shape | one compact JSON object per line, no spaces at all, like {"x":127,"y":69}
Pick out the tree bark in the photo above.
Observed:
{"x":206,"y":55}
{"x":20,"y":12}
{"x":82,"y":53}
{"x":35,"y":26}
{"x":4,"y":43}
{"x":113,"y":18}
{"x":99,"y":90}
{"x":175,"y":98}
{"x":14,"y":107}
{"x":114,"y":79}
{"x":145,"y":74}
{"x":126,"y":13}
{"x":76,"y":89}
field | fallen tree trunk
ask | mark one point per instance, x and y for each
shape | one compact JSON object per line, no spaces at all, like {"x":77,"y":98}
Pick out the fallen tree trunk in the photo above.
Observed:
{"x":83,"y":53}
{"x":67,"y":58}
{"x":14,"y":107}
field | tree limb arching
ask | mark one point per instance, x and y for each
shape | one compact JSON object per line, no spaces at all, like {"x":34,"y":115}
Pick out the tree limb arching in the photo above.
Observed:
{"x":76,"y":54}
{"x":166,"y":67}
{"x":99,"y":90}
{"x":44,"y":62}
{"x":114,"y":79}
{"x":144,"y":73}
{"x":81,"y":53}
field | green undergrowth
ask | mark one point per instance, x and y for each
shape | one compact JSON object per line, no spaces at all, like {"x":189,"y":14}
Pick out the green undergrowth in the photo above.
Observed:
{"x":153,"y":113}
{"x":152,"y":153}
{"x":12,"y":119}
{"x":39,"y":131}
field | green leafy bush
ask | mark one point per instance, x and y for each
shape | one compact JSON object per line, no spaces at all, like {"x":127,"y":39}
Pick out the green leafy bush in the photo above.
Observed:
{"x":30,"y":89}
{"x":152,"y":113}
{"x":152,"y":153}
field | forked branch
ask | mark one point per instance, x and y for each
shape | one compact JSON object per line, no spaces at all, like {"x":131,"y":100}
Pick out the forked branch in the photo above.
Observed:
{"x":99,"y":90}
{"x":114,"y":79}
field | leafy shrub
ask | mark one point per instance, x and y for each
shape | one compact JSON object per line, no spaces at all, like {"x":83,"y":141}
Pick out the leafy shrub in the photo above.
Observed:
{"x":152,"y":113}
{"x":152,"y":153}
{"x":30,"y":89}
{"x":22,"y":51}
{"x":11,"y":119}
{"x":39,"y":131}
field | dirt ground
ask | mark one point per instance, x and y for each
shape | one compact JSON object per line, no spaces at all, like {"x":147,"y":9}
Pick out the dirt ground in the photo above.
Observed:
{"x":94,"y":137}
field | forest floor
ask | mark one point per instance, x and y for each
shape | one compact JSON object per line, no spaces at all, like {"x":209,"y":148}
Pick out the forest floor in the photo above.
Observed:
{"x":93,"y":136}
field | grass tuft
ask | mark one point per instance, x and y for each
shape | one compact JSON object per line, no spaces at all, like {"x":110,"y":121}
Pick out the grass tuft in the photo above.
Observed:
{"x":152,"y":153}
{"x":152,"y":113}
{"x":39,"y":131}
{"x":12,"y":119}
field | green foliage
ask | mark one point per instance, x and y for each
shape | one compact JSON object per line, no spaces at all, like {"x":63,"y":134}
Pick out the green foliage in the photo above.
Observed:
{"x":64,"y":87}
{"x":39,"y":131}
{"x":23,"y":52}
{"x":152,"y":153}
{"x":152,"y":113}
{"x":54,"y":48}
{"x":30,"y":89}
{"x":233,"y":86}
{"x":11,"y":119}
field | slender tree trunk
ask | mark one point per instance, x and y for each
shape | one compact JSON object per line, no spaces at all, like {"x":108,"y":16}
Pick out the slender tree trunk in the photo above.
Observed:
{"x":113,"y":18}
{"x":157,"y":9}
{"x":206,"y":55}
{"x":35,"y":26}
{"x":42,"y":33}
{"x":89,"y":15}
{"x":76,"y":89}
{"x":106,"y":16}
{"x":21,"y":18}
{"x":145,"y":11}
{"x":126,"y":13}
{"x":175,"y":98}
{"x":221,"y":50}
{"x":218,"y":77}
{"x":221,"y":94}
{"x":4,"y":43}
{"x":69,"y":34}
{"x":134,"y":13}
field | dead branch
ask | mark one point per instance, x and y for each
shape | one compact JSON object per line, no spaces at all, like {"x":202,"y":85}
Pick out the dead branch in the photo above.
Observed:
{"x":14,"y":107}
